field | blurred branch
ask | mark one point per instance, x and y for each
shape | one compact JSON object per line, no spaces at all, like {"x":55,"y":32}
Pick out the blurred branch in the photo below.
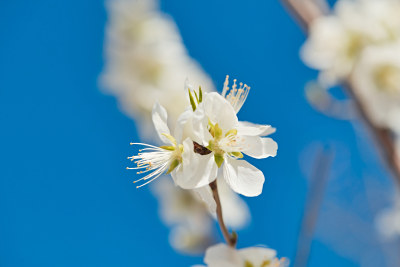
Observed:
{"x":318,"y":181}
{"x":306,"y":11}
{"x":383,"y":137}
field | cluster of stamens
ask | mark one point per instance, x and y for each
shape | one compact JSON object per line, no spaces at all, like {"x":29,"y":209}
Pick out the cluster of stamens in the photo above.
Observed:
{"x":151,"y":159}
{"x":235,"y":96}
{"x":230,"y":143}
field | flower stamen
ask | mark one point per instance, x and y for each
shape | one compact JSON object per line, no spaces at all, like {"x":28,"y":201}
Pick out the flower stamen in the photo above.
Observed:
{"x":156,"y":160}
{"x":235,"y":96}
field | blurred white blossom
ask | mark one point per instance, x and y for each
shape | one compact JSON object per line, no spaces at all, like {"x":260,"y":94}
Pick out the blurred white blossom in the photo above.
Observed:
{"x":146,"y":60}
{"x":189,"y":217}
{"x":388,"y":221}
{"x":376,"y":81}
{"x":336,"y":41}
{"x":221,"y":255}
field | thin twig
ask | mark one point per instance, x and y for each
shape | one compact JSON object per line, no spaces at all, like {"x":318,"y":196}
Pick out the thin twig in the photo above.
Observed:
{"x":230,"y":239}
{"x":318,"y":181}
{"x":306,"y":12}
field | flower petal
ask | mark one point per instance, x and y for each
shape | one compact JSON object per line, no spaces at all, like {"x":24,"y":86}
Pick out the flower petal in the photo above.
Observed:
{"x":220,"y":111}
{"x":194,"y":125}
{"x":251,"y":129}
{"x":243,"y":177}
{"x":259,"y":148}
{"x":221,"y":255}
{"x":197,"y":170}
{"x":257,"y":255}
{"x":159,"y":116}
{"x":183,"y":125}
{"x":188,"y":239}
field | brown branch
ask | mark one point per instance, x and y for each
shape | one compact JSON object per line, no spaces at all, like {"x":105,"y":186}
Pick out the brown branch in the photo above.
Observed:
{"x":230,"y":239}
{"x":306,"y":11}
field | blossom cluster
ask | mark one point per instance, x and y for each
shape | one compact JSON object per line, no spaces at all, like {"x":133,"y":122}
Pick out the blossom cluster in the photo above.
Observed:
{"x":359,"y":43}
{"x":146,"y":60}
{"x":208,"y":136}
{"x":208,"y":139}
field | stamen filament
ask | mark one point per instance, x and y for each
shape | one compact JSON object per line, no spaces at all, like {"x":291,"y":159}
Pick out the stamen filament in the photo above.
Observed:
{"x":236,"y":96}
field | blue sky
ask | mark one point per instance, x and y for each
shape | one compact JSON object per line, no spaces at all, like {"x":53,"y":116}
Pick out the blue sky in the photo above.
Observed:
{"x":66,"y":198}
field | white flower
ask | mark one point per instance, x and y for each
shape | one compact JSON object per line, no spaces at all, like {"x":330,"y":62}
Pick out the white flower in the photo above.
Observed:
{"x":190,"y":240}
{"x":236,"y":213}
{"x":336,"y":41}
{"x":376,"y":81}
{"x":188,"y":217}
{"x":216,"y":125}
{"x":146,"y":60}
{"x":388,"y":221}
{"x":222,"y":255}
{"x":175,"y":157}
{"x":179,"y":206}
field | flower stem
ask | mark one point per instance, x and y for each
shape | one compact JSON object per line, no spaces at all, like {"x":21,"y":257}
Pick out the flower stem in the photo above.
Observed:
{"x":230,"y":239}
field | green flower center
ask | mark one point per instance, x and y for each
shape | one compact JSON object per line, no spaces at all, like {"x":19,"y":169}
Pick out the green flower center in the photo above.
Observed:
{"x":177,"y":150}
{"x":220,"y":142}
{"x":387,"y":78}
